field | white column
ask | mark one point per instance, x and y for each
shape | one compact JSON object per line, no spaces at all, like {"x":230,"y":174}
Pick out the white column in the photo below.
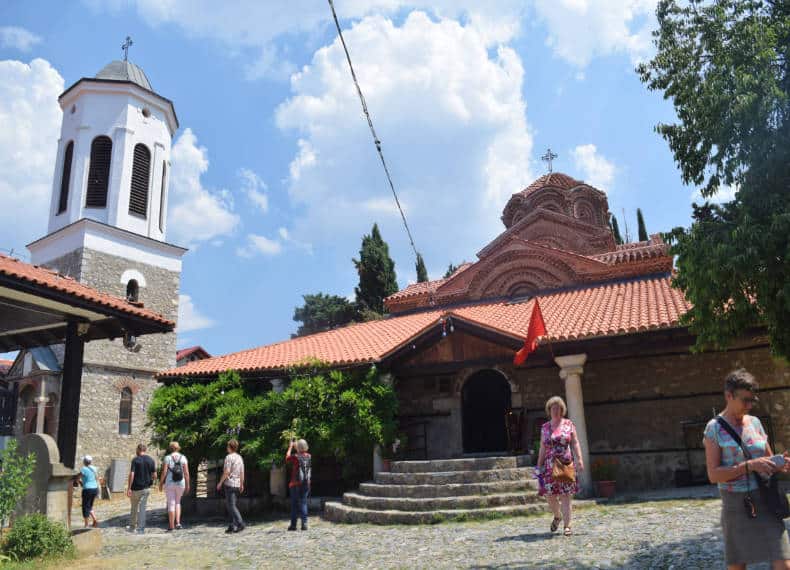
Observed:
{"x":571,"y":370}
{"x":41,"y":402}
{"x":278,"y":385}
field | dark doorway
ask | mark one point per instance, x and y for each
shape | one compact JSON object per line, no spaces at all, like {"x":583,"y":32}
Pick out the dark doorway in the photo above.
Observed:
{"x":485,"y":399}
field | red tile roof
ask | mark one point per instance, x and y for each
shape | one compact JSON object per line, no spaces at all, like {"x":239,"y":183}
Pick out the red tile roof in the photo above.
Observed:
{"x":5,"y":366}
{"x":556,"y":179}
{"x":605,"y":309}
{"x":184,"y":352}
{"x":54,"y":281}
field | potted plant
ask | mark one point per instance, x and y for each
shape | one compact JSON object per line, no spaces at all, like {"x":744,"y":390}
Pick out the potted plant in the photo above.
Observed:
{"x":604,"y":473}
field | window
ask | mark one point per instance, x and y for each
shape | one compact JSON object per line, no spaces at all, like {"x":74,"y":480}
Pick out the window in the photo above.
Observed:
{"x":141,"y":170}
{"x":64,"y":181}
{"x":132,"y":291}
{"x":125,"y":413}
{"x":99,"y":172}
{"x":162,"y":198}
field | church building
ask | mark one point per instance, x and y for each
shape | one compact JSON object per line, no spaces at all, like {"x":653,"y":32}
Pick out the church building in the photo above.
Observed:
{"x":614,"y":349}
{"x":107,"y":229}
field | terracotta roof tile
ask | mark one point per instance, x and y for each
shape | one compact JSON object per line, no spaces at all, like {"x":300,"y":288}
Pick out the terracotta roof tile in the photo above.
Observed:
{"x":5,"y":366}
{"x":184,"y":352}
{"x":56,"y":282}
{"x":604,"y":309}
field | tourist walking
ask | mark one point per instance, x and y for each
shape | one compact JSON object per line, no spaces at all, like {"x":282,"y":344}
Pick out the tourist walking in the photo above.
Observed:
{"x":559,"y":459}
{"x":175,"y":480}
{"x":138,"y":487}
{"x":299,"y":463}
{"x":89,"y":479}
{"x":736,"y":453}
{"x":233,"y":480}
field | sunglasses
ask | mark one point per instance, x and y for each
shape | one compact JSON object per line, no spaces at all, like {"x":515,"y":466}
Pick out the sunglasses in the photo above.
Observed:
{"x":749,"y":401}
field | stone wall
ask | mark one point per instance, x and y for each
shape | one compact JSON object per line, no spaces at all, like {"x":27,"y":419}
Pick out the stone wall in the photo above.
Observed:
{"x":109,"y":366}
{"x":97,"y":430}
{"x":647,"y":412}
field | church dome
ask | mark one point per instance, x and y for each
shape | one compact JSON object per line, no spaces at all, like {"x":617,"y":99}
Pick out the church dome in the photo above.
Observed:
{"x":124,"y":71}
{"x":559,"y":193}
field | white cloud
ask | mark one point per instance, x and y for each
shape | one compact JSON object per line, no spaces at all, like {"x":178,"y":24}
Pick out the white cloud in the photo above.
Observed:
{"x":189,"y":318}
{"x":452,"y":120}
{"x":14,"y":37}
{"x":254,"y":188}
{"x":30,"y":117}
{"x":580,"y":30}
{"x":254,"y":31}
{"x":196,"y":214}
{"x":725,"y":194}
{"x":257,"y":244}
{"x":596,"y":170}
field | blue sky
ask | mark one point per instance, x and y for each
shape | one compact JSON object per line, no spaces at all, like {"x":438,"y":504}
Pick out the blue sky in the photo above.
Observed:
{"x":274,"y":160}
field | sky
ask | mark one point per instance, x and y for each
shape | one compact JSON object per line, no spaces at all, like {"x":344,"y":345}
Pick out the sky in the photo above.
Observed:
{"x":274,"y":175}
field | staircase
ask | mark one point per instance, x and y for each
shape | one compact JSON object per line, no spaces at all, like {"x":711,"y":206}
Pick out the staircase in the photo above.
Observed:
{"x":424,"y":492}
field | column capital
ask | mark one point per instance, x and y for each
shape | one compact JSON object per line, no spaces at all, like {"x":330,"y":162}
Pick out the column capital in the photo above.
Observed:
{"x":571,"y":364}
{"x":278,"y":384}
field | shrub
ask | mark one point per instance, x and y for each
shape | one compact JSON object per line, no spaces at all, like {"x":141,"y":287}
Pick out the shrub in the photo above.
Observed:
{"x":35,"y":536}
{"x":15,"y":472}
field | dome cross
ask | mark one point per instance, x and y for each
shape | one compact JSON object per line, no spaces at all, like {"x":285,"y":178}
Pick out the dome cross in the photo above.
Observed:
{"x":548,"y":158}
{"x":125,"y":48}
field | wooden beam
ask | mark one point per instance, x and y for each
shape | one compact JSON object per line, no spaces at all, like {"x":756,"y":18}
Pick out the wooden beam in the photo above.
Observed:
{"x":71,"y":386}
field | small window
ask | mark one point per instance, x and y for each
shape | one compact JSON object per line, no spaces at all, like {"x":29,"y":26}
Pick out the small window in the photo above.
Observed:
{"x":63,"y":203}
{"x":99,"y":172}
{"x":125,"y":412}
{"x":162,"y":198}
{"x":132,"y":291}
{"x":141,"y":171}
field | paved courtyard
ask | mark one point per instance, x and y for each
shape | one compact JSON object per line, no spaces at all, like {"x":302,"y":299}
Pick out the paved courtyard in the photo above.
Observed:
{"x":673,"y":533}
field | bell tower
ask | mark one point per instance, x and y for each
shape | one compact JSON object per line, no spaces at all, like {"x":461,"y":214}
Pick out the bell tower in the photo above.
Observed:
{"x":107,"y":228}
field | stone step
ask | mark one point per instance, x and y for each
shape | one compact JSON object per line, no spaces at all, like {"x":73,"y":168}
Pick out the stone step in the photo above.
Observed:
{"x":441,"y":503}
{"x":339,"y":512}
{"x":448,"y":477}
{"x":451,"y":490}
{"x":444,"y":465}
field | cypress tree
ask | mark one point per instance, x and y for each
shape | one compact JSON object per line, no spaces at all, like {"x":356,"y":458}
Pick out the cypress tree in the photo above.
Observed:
{"x":422,"y":272}
{"x":376,"y":273}
{"x":450,"y":270}
{"x":640,"y":220}
{"x":618,"y":239}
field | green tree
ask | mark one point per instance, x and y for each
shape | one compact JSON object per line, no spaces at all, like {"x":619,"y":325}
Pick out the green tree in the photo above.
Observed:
{"x":450,"y":270}
{"x":322,"y":312}
{"x":15,"y":473}
{"x":724,"y":65}
{"x":640,"y":221}
{"x":342,"y":414}
{"x":618,"y":239}
{"x":422,"y":272}
{"x":376,"y":273}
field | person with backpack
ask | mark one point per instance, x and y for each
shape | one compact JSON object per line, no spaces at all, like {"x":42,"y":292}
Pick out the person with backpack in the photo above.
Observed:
{"x":175,"y":480}
{"x":233,"y":480}
{"x":89,"y":479}
{"x":300,"y":464}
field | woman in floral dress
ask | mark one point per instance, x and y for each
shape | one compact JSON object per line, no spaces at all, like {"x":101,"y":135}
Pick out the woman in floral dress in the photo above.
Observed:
{"x":557,"y":439}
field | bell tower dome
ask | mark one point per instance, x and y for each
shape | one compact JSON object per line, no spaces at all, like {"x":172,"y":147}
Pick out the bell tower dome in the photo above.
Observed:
{"x":114,"y":153}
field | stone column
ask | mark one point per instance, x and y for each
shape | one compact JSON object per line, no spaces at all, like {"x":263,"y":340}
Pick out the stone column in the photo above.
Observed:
{"x":278,"y":385}
{"x":41,"y":402}
{"x":571,"y":370}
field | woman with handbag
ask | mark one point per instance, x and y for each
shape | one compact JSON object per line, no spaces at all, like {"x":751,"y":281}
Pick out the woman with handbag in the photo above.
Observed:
{"x":556,"y":463}
{"x":738,"y":458}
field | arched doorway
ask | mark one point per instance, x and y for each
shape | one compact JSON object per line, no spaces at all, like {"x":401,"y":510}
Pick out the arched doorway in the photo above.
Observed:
{"x":484,"y":400}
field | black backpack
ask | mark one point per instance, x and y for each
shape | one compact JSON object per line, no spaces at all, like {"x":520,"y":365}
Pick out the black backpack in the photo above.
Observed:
{"x":305,"y":470}
{"x":177,"y":470}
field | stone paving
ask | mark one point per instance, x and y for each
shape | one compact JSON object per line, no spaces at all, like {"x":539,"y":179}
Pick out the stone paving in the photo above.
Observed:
{"x":675,"y":533}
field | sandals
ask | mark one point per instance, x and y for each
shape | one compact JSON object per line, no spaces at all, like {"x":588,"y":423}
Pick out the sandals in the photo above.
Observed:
{"x":568,"y":531}
{"x":555,"y":524}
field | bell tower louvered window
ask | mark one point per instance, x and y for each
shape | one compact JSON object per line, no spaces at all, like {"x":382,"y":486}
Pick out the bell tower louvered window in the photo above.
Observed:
{"x":125,"y":412}
{"x":99,"y":172}
{"x":63,"y":202}
{"x":162,"y":198}
{"x":141,"y":171}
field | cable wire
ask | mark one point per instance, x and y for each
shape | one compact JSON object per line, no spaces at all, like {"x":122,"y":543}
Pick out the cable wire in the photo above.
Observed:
{"x":376,"y":140}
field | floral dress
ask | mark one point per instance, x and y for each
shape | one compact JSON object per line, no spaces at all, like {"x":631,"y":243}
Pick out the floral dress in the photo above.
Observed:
{"x":557,"y":444}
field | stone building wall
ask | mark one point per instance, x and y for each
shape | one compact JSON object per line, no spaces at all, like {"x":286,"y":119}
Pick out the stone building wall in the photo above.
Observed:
{"x":635,"y":408}
{"x":109,"y":366}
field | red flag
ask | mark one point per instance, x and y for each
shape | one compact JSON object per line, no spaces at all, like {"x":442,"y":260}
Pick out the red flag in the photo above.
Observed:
{"x":537,"y":329}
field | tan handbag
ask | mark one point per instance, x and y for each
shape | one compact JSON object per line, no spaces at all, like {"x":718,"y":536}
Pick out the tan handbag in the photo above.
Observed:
{"x":563,"y":472}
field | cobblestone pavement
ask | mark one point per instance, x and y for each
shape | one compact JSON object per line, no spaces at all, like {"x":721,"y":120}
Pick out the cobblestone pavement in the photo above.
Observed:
{"x":682,"y":534}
